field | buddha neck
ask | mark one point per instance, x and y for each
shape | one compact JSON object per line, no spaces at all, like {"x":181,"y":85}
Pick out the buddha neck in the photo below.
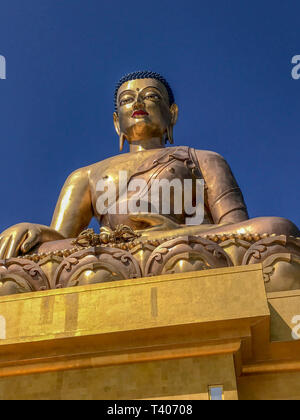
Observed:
{"x":143,"y":145}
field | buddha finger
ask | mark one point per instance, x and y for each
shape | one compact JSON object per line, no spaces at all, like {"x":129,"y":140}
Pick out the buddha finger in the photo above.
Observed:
{"x":32,"y":238}
{"x":4,"y":244}
{"x":14,"y":245}
{"x":155,"y":221}
{"x":150,"y":218}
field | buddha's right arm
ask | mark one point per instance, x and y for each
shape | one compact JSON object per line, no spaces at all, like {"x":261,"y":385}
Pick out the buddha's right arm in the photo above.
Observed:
{"x":72,"y":215}
{"x":73,"y":211}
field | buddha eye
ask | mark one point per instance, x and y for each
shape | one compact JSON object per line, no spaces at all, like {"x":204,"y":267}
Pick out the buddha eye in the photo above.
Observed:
{"x":125,"y":101}
{"x":152,"y":96}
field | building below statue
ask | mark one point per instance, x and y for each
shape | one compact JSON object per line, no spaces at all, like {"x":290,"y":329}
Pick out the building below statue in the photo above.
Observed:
{"x":166,"y":337}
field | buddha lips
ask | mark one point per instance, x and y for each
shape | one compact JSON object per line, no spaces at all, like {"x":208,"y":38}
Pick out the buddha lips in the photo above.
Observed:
{"x":139,"y":113}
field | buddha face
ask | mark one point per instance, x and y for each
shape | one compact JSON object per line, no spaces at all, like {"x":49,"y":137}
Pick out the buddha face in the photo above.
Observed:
{"x":143,"y":110}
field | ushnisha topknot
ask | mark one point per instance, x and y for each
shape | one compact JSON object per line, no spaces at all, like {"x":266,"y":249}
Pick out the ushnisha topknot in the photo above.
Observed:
{"x":144,"y":75}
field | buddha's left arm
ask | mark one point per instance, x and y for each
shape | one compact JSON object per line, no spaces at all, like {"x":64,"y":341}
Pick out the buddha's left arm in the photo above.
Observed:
{"x":73,"y":211}
{"x":225,"y":199}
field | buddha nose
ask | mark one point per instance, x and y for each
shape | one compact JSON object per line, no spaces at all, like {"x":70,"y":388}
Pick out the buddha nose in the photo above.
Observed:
{"x":139,"y":103}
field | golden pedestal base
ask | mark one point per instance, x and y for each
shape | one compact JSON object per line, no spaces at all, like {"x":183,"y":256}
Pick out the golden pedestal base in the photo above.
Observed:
{"x":165,"y":337}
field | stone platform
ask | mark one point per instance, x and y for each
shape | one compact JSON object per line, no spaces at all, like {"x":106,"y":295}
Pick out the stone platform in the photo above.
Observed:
{"x":163,"y":337}
{"x":66,"y":265}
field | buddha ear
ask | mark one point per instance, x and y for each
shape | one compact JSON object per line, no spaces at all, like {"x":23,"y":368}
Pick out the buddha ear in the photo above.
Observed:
{"x":174,"y":113}
{"x":170,"y":134}
{"x":116,"y":123}
{"x":122,"y":141}
{"x":118,"y":130}
{"x":174,"y":116}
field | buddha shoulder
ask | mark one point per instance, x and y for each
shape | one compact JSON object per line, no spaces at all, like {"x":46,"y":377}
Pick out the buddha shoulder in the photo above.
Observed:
{"x":123,"y":162}
{"x":208,"y":156}
{"x":86,"y":171}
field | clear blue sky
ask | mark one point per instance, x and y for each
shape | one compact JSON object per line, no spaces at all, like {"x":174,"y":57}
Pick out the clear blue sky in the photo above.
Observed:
{"x":229,"y":62}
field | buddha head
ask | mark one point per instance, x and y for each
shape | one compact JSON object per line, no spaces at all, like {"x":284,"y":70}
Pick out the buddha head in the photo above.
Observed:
{"x":145,"y":111}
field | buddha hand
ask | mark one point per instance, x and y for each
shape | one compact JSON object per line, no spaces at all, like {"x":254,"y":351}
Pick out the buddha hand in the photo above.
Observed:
{"x":23,"y":237}
{"x":156,"y":222}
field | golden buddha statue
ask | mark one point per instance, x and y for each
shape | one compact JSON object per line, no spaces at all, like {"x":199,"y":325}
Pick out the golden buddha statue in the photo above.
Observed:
{"x":145,"y":115}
